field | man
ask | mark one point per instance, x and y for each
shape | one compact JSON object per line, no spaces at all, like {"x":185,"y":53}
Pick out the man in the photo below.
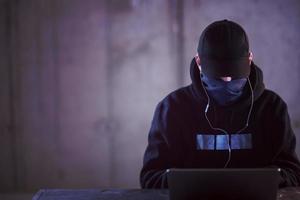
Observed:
{"x":224,"y":119}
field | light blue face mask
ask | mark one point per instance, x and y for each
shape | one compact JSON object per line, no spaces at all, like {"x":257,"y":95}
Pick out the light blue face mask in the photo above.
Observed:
{"x":224,"y":92}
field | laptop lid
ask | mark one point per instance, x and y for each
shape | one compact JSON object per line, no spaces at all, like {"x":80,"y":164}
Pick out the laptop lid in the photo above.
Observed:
{"x":224,"y":184}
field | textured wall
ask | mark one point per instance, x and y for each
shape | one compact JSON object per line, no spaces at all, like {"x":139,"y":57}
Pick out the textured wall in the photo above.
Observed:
{"x":80,"y":79}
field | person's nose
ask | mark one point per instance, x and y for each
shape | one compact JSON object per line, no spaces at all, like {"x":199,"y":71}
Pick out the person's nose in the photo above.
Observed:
{"x":226,"y":79}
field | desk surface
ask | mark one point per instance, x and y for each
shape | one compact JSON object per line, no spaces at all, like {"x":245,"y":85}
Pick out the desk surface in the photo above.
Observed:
{"x":132,"y":194}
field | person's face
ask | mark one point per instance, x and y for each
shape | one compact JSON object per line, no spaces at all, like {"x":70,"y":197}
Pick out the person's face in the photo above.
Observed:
{"x":225,"y":78}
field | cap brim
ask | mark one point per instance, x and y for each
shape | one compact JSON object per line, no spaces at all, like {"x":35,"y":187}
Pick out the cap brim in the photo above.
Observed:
{"x":237,"y":68}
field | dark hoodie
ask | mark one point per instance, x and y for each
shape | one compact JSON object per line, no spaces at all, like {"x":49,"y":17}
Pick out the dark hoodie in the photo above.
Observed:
{"x":180,"y":135}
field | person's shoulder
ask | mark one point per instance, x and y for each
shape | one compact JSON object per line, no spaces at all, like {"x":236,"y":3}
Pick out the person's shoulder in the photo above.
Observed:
{"x":178,"y":95}
{"x":272,"y":98}
{"x":177,"y":98}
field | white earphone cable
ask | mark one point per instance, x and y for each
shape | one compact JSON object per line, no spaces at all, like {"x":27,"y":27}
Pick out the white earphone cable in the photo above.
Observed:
{"x":222,"y":130}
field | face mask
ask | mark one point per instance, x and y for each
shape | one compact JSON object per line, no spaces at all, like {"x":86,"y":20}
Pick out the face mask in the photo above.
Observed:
{"x":224,"y":92}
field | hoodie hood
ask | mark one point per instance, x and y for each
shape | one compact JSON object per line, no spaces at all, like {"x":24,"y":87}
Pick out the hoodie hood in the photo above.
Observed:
{"x":256,"y":80}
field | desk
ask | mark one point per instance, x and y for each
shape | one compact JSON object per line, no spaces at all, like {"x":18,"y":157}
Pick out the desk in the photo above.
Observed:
{"x":130,"y":194}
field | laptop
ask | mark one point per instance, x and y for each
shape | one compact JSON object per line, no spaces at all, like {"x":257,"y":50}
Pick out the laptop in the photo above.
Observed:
{"x":223,"y":184}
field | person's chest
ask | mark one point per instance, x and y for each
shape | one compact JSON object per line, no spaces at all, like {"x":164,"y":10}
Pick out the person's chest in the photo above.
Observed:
{"x":210,"y":141}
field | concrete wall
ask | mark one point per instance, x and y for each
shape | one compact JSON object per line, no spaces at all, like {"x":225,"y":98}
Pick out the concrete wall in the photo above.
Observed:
{"x":80,"y":80}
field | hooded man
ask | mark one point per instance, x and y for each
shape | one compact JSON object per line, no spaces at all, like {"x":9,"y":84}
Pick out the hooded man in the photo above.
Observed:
{"x":225,"y":119}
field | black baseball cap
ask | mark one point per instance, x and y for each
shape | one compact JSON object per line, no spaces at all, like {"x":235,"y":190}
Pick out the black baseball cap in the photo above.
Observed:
{"x":224,"y":50}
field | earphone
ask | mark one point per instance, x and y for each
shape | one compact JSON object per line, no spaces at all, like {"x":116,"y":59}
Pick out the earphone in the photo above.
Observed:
{"x":222,"y":130}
